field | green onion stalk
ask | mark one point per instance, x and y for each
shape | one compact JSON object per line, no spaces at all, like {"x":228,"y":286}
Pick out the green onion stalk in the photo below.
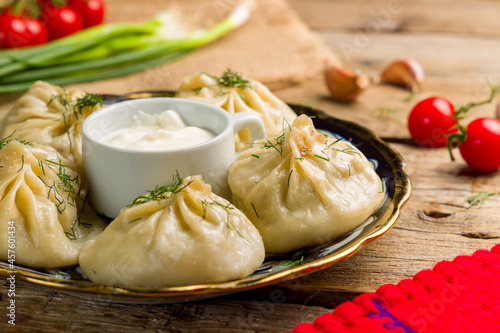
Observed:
{"x":109,"y":51}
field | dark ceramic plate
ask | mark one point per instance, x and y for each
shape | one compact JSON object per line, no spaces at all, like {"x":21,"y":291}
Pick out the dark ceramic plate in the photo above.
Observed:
{"x":389,"y":166}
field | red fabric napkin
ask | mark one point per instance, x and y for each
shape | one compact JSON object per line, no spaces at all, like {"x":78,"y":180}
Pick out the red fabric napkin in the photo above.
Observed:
{"x":459,"y":296}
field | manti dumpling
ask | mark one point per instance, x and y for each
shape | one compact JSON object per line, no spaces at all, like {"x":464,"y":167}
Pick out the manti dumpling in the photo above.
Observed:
{"x":303,"y":188}
{"x":234,"y":94}
{"x":40,"y":209}
{"x":51,"y":115}
{"x":180,"y":234}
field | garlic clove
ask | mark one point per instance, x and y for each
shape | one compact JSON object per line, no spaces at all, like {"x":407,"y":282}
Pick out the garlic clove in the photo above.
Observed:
{"x":344,"y":85}
{"x":407,"y":73}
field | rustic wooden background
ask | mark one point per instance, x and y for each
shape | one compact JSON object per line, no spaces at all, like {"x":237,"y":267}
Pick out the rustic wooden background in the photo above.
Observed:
{"x":457,"y":44}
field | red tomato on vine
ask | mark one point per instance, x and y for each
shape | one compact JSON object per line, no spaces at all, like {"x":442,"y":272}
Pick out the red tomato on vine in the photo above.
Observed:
{"x":91,"y":11}
{"x":61,"y":21}
{"x":481,"y":147}
{"x":19,"y":29}
{"x":430,"y":121}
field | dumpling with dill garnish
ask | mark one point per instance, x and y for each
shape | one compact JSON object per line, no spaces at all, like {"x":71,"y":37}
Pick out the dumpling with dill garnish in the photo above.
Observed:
{"x":53,"y":116}
{"x":303,"y":188}
{"x":180,"y":234}
{"x":234,"y":94}
{"x":41,"y":215}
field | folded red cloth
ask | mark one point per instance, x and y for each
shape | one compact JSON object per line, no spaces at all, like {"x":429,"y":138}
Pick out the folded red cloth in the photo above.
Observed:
{"x":459,"y":296}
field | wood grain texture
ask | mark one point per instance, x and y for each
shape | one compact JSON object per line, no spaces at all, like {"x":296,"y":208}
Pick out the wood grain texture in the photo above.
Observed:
{"x":457,"y":52}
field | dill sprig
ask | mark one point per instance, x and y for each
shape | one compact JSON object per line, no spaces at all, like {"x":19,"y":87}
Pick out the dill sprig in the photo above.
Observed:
{"x":478,"y":199}
{"x":73,"y":107}
{"x":8,"y":139}
{"x":162,"y":192}
{"x":66,"y":183}
{"x":205,"y":204}
{"x":289,"y":176}
{"x":89,"y":100}
{"x":325,"y":158}
{"x":350,"y":150}
{"x":71,"y":235}
{"x":63,"y":99}
{"x":22,"y":163}
{"x":255,"y":210}
{"x":296,"y":260}
{"x":232,"y":80}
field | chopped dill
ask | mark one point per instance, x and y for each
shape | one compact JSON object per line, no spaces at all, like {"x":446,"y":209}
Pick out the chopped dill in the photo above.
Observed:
{"x":63,"y":98}
{"x":409,"y":97}
{"x":299,"y":158}
{"x":66,"y":182}
{"x":232,"y":80}
{"x":8,"y":139}
{"x":296,"y":260}
{"x":57,"y":274}
{"x":58,"y":197}
{"x":255,"y":210}
{"x":334,"y":142}
{"x":66,"y":126}
{"x":162,"y":192}
{"x":278,"y":141}
{"x":322,"y":157}
{"x":289,"y":176}
{"x":71,"y":235}
{"x":350,"y":150}
{"x":206,"y":204}
{"x":40,"y":164}
{"x":22,"y":163}
{"x":89,"y":100}
{"x":22,"y":141}
{"x":347,"y":150}
{"x":227,"y":208}
{"x":478,"y":199}
{"x":256,"y":156}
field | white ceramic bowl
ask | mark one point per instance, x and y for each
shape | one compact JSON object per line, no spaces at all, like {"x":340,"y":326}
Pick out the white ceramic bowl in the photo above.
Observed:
{"x":117,"y":176}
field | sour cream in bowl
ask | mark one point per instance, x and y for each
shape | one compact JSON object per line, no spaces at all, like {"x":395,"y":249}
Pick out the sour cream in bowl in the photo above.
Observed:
{"x":135,"y":146}
{"x":166,"y":130}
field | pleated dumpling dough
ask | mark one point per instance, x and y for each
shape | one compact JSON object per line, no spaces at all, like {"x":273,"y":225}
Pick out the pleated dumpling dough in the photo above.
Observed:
{"x":180,"y":234}
{"x":40,"y":208}
{"x":302,"y":188}
{"x":53,"y":116}
{"x":234,"y":94}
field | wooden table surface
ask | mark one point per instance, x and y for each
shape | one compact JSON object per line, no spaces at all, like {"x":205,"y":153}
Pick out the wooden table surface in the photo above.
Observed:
{"x":456,"y":42}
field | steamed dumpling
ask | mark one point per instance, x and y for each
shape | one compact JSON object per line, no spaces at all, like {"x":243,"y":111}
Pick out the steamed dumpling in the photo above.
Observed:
{"x":40,"y":206}
{"x":53,"y":116}
{"x":302,"y":188}
{"x":235,"y":94}
{"x":180,"y":234}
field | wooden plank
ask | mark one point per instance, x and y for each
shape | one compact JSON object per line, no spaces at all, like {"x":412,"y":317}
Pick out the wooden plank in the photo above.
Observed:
{"x":456,"y":67}
{"x":40,"y":310}
{"x":402,"y":16}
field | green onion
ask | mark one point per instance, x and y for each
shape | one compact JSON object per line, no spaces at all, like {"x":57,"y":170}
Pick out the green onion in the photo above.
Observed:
{"x":109,"y":51}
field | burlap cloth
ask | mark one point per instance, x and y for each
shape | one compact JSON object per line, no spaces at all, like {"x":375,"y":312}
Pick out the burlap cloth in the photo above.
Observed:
{"x":274,"y":46}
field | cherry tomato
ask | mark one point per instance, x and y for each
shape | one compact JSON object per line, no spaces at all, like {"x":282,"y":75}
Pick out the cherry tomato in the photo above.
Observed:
{"x":19,"y":30}
{"x":91,"y":11}
{"x":430,"y":120}
{"x":61,"y":21}
{"x":481,"y":148}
